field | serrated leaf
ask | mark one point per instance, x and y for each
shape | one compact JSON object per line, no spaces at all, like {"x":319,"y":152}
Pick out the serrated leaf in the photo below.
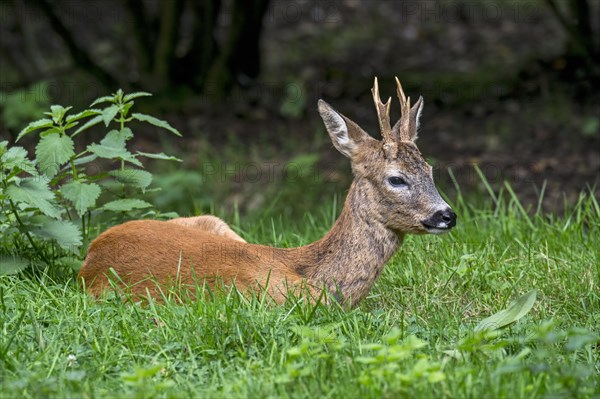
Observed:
{"x":125,"y":205}
{"x":156,"y":122}
{"x":33,"y":126}
{"x":112,"y":146}
{"x":17,"y":157}
{"x":104,"y":99}
{"x":34,"y":192}
{"x":108,"y":114}
{"x":92,"y":122}
{"x":137,"y":94}
{"x":65,"y":233}
{"x":70,"y":125}
{"x":12,"y":264}
{"x":49,"y":131}
{"x":53,"y":151}
{"x":134,"y":177}
{"x":83,"y":114}
{"x":515,"y":310}
{"x":57,"y":112}
{"x":159,"y":155}
{"x":83,"y":196}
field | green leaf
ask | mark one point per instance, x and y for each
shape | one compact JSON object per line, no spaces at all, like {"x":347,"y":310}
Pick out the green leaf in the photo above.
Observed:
{"x":125,"y":205}
{"x":137,"y":94}
{"x":83,"y":196}
{"x":104,"y":99}
{"x":515,"y":310}
{"x":319,"y":334}
{"x":12,"y":264}
{"x":33,"y":126}
{"x":108,"y":114}
{"x":49,"y":131}
{"x":160,"y":155}
{"x":94,"y":121}
{"x":112,"y":146}
{"x":16,"y":157}
{"x":119,"y":96}
{"x":57,"y":112}
{"x":53,"y":151}
{"x":65,"y":233}
{"x":156,"y":122}
{"x":134,"y":177}
{"x":578,"y":338}
{"x":86,"y":159}
{"x":83,"y":114}
{"x":34,"y":192}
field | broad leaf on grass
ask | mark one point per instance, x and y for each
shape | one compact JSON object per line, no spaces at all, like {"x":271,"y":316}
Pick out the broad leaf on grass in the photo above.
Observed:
{"x":65,"y":233}
{"x":134,"y":177}
{"x":156,"y":122}
{"x":126,"y":205}
{"x":12,"y":264}
{"x":53,"y":151}
{"x":515,"y":310}
{"x":159,"y":155}
{"x":83,"y":196}
{"x":34,"y":192}
{"x":33,"y":126}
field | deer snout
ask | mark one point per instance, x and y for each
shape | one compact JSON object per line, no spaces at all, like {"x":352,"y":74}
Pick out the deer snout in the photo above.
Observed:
{"x":441,"y":221}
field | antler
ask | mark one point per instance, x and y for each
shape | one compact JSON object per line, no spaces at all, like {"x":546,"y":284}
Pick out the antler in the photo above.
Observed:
{"x":406,"y":128}
{"x":383,"y":115}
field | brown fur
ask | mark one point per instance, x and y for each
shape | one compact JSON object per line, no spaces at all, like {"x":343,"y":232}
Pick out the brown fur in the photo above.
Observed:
{"x":347,"y":261}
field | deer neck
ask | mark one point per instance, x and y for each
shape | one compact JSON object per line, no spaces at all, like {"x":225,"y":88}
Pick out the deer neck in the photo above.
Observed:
{"x":353,"y":253}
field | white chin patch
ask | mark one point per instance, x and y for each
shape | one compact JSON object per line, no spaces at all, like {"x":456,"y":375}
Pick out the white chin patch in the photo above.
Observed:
{"x":438,"y":231}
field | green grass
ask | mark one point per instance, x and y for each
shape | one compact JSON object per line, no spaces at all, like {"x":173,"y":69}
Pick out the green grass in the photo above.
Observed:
{"x":412,"y":337}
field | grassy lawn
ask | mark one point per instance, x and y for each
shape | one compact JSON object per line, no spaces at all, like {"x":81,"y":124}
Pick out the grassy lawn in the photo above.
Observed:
{"x":413,"y":336}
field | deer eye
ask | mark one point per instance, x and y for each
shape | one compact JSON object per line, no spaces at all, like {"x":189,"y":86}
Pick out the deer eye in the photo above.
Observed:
{"x":396,"y":181}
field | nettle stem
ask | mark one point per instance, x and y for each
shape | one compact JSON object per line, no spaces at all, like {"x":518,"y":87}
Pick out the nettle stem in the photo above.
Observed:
{"x":74,"y":168}
{"x":14,"y":211}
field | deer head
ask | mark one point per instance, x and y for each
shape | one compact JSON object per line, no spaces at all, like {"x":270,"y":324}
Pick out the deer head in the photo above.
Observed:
{"x":395,"y":182}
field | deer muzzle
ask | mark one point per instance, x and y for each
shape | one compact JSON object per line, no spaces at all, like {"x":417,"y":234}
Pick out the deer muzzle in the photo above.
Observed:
{"x":441,"y":221}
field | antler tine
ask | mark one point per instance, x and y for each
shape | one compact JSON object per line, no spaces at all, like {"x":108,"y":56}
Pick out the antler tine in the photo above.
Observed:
{"x":383,"y":113}
{"x":405,"y":112}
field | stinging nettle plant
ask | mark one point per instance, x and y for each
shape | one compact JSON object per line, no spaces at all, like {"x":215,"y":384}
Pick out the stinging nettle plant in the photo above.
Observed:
{"x":48,"y":204}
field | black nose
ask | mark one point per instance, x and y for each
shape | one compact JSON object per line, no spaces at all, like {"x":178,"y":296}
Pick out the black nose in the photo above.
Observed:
{"x":448,"y":216}
{"x":445,"y":219}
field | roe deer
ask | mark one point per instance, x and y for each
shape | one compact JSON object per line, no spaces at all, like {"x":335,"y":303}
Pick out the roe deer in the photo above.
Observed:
{"x":392,"y":194}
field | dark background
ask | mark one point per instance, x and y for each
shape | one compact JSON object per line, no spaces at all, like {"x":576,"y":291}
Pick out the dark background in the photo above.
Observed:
{"x":510,"y":86}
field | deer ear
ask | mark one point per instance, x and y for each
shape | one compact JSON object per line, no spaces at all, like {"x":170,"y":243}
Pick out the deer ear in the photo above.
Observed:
{"x":346,"y":135}
{"x":415,"y":115}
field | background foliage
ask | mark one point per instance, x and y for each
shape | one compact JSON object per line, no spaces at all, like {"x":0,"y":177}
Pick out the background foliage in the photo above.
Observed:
{"x":510,"y":125}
